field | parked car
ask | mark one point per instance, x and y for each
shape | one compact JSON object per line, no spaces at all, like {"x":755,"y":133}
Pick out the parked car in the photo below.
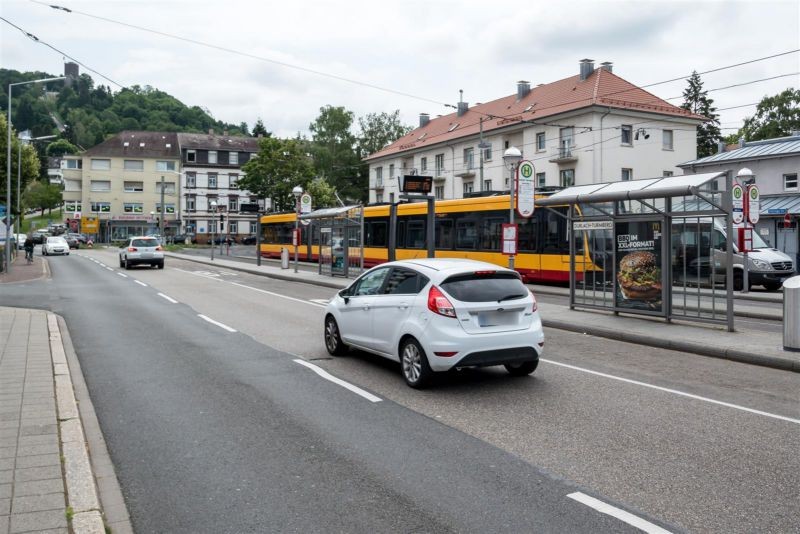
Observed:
{"x":224,"y":239}
{"x":438,"y":314}
{"x":141,"y":249}
{"x":21,"y":240}
{"x":248,"y":240}
{"x":80,"y":237}
{"x":180,"y":239}
{"x":72,"y":241}
{"x":55,"y":244}
{"x":39,"y":237}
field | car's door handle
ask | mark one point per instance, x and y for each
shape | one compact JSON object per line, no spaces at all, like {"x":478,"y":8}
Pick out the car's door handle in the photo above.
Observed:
{"x":365,"y":307}
{"x":403,"y":305}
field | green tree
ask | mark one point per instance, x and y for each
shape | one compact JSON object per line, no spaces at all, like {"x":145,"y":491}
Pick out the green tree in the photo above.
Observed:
{"x":42,"y":196}
{"x":776,"y":116}
{"x":333,"y":146}
{"x":696,"y":100}
{"x":61,"y":147}
{"x":279,"y":166}
{"x":25,"y":164}
{"x":379,"y":130}
{"x":260,"y":129}
{"x":322,"y":193}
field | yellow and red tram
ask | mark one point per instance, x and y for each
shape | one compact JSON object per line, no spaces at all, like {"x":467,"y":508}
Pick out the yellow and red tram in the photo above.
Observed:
{"x":464,"y":228}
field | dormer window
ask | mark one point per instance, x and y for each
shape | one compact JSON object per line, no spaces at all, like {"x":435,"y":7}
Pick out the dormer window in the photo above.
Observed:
{"x":191,"y":156}
{"x":453,"y":127}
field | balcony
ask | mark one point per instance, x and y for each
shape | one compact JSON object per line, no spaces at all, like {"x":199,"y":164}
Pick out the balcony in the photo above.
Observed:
{"x":467,"y":172}
{"x":378,"y":185}
{"x":438,"y":175}
{"x":566,"y":153}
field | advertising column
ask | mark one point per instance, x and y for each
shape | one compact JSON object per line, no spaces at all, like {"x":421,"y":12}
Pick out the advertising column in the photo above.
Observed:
{"x":638,"y":247}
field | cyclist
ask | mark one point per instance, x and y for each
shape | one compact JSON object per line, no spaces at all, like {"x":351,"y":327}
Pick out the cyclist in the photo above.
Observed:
{"x":28,"y":249}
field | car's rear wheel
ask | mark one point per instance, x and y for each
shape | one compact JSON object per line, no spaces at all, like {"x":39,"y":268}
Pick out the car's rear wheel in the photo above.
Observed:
{"x":121,"y":264}
{"x":522,"y":368}
{"x":126,"y":264}
{"x":333,"y":340}
{"x":160,"y":265}
{"x":772,"y":286}
{"x":414,"y":364}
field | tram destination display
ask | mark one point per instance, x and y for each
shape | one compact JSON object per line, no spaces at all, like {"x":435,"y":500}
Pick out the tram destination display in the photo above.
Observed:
{"x":413,"y":183}
{"x":638,"y":247}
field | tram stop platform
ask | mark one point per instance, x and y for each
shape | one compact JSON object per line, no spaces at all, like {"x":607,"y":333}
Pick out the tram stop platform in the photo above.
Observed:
{"x":747,"y":344}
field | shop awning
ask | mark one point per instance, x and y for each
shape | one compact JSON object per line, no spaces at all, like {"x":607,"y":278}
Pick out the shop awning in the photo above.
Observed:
{"x":672,"y":186}
{"x":780,"y":205}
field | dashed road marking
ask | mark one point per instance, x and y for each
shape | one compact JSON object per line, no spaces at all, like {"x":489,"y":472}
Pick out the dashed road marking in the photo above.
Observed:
{"x":347,"y":385}
{"x":618,"y":513}
{"x":140,"y":283}
{"x":312,"y":302}
{"x":212,"y":321}
{"x":123,"y":275}
{"x":165,"y":297}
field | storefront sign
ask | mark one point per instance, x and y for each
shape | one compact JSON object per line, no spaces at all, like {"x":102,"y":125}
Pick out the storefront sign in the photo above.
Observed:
{"x":638,"y":248}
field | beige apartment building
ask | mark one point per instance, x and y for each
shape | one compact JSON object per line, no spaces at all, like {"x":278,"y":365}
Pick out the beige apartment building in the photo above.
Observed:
{"x":119,"y":182}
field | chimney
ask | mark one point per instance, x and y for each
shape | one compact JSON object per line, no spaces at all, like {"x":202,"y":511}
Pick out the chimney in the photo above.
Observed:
{"x":741,"y":142}
{"x":721,"y":147}
{"x":523,"y":88}
{"x":587,"y":67}
{"x":211,"y":131}
{"x":463,"y":107}
{"x":424,"y":119}
{"x":607,"y":65}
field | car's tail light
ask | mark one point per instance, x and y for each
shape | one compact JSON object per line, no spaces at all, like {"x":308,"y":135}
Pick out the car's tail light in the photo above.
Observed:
{"x":535,"y":305}
{"x":484,"y":273}
{"x":446,"y":354}
{"x":131,"y":249}
{"x":159,"y":248}
{"x":438,"y":303}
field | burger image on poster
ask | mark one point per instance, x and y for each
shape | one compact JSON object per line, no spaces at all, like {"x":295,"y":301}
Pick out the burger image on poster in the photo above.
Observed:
{"x":639,"y":276}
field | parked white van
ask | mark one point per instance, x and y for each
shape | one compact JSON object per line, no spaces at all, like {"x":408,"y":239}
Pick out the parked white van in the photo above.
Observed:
{"x":695,"y":244}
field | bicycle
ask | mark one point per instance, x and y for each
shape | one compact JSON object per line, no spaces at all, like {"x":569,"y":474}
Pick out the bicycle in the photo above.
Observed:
{"x":29,"y":256}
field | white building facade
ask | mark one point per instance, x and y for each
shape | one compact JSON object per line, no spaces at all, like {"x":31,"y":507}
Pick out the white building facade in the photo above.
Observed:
{"x":568,"y":129}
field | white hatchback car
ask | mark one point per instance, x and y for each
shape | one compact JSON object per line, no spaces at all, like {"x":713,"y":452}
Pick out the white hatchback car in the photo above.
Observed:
{"x":438,"y":314}
{"x":55,"y":244}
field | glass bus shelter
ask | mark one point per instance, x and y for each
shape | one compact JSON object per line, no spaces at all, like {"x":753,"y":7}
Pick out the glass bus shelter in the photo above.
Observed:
{"x":660,"y":246}
{"x":339,"y":234}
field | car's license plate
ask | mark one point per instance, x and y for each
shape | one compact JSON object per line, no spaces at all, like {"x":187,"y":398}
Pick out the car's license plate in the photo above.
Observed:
{"x":147,"y":254}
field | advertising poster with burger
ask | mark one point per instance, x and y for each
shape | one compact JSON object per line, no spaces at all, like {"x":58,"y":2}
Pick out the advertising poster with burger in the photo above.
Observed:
{"x":639,"y":265}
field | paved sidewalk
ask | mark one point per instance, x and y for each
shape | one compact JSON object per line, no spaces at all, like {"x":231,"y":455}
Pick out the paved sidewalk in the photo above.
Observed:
{"x":46,"y":479}
{"x":745,"y":345}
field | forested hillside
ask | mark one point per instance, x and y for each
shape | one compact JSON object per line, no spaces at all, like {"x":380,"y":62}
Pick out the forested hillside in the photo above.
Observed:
{"x":86,"y":114}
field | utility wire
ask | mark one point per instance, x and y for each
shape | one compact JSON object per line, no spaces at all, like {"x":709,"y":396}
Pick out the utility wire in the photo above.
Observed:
{"x":248,"y":55}
{"x":35,"y":39}
{"x":375,"y":86}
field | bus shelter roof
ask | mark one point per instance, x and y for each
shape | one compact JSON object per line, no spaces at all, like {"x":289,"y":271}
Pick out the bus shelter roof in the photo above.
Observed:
{"x":672,"y":186}
{"x":330,"y":213}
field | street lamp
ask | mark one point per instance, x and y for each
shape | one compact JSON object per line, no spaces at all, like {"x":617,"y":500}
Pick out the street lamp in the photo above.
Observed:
{"x":8,"y":162}
{"x":213,"y":222}
{"x":297,"y":191}
{"x":511,"y":159}
{"x":24,"y":137}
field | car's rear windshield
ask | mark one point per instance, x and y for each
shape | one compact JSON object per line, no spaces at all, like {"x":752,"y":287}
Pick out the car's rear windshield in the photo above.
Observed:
{"x":145,"y":243}
{"x":485,"y":287}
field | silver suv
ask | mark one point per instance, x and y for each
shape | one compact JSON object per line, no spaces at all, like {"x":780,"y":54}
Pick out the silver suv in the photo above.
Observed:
{"x":141,"y":249}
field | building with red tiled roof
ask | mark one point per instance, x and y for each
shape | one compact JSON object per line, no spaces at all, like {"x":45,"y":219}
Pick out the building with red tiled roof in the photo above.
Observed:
{"x":591,"y":127}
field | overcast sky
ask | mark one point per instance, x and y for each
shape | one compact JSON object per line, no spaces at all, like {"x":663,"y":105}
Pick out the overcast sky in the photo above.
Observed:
{"x":426,"y":49}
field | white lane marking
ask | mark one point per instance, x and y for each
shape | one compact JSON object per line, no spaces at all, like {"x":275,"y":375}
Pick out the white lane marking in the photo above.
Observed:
{"x":123,"y":275}
{"x":109,"y":269}
{"x":676,"y":392}
{"x":163,"y":296}
{"x":201,"y":274}
{"x":279,"y":295}
{"x":102,"y":264}
{"x":322,"y":302}
{"x":613,"y":511}
{"x":347,"y":385}
{"x":140,"y":283}
{"x":212,"y":321}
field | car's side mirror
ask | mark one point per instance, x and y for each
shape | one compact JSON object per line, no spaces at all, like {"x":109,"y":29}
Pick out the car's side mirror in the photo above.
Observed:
{"x":345,"y":294}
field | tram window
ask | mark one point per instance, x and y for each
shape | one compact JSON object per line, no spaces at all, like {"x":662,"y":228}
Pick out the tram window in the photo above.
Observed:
{"x":555,"y":237}
{"x":401,"y":234}
{"x":444,"y":234}
{"x":376,"y":234}
{"x":314,"y":234}
{"x":528,"y":234}
{"x":491,"y":231}
{"x":467,"y":234}
{"x":270,"y":234}
{"x":415,"y":234}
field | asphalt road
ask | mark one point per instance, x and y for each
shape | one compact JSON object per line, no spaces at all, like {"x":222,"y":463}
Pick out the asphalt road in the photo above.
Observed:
{"x":207,"y":428}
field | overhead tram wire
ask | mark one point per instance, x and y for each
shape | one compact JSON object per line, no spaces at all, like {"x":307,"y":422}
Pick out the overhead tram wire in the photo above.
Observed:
{"x":248,"y":55}
{"x":35,"y":39}
{"x":375,"y":86}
